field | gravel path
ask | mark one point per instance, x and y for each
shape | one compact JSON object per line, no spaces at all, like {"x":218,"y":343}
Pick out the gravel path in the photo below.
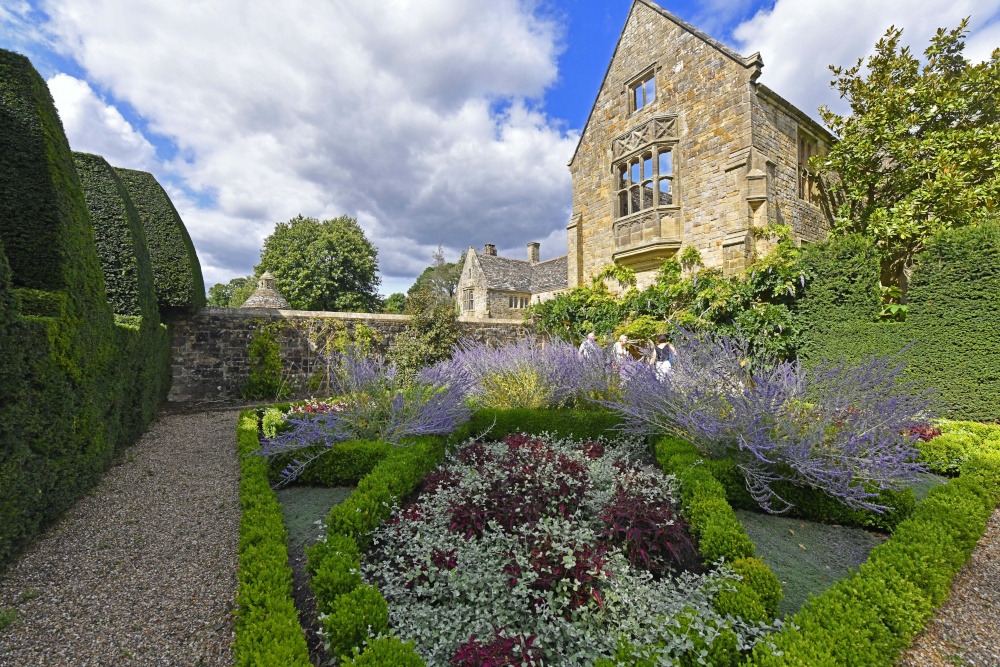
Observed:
{"x":965,"y":631}
{"x":143,"y":570}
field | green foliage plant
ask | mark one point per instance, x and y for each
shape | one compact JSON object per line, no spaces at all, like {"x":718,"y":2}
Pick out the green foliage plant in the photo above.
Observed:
{"x":386,"y":651}
{"x":430,"y":336}
{"x":395,"y":304}
{"x":916,"y":154}
{"x":356,"y":616}
{"x":327,"y":266}
{"x":265,"y":380}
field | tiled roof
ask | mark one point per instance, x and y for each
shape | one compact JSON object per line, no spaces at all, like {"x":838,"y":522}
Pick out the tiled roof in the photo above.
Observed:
{"x":550,"y":275}
{"x":518,"y":275}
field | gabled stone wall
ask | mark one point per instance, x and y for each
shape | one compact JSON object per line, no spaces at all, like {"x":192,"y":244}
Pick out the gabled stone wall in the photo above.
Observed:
{"x":209,"y":351}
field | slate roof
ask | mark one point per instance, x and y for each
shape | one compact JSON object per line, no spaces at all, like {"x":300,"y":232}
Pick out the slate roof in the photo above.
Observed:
{"x":519,"y":275}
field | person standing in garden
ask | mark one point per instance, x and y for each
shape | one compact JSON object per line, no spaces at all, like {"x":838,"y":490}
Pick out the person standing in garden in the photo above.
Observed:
{"x":621,"y":348}
{"x":665,"y":356}
{"x":589,"y":348}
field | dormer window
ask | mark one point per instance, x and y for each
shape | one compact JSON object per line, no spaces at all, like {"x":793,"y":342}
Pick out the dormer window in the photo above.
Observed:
{"x":643,"y":91}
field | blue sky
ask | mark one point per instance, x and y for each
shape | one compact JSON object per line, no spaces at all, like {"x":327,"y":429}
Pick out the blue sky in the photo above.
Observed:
{"x":447,"y":122}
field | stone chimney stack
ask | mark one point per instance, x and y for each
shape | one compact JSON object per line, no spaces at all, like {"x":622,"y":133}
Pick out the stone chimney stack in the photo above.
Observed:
{"x":490,"y":249}
{"x":534,"y":249}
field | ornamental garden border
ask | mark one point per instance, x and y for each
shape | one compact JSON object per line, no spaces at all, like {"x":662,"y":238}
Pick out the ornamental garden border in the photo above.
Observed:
{"x":864,"y":619}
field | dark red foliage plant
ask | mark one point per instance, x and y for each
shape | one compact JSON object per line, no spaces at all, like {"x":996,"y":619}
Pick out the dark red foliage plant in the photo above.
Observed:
{"x":516,"y":651}
{"x":650,"y":534}
{"x":924,"y":432}
{"x":585,"y":566}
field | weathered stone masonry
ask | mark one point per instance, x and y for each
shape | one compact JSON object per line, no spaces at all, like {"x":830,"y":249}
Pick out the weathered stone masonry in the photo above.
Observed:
{"x":210,"y":360}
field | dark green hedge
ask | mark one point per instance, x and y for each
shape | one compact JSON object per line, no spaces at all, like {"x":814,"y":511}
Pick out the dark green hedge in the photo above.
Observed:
{"x":951,"y":328}
{"x":176,"y":270}
{"x":71,"y":397}
{"x":267,"y":623}
{"x":120,"y":239}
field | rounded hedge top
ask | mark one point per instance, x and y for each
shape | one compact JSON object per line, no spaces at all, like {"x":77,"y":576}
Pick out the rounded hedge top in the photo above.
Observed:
{"x":176,"y":270}
{"x":120,"y":239}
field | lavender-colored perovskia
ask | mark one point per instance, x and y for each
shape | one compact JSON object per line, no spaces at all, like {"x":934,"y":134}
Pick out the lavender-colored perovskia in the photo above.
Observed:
{"x":846,"y":430}
{"x":526,"y":374}
{"x":375,"y":403}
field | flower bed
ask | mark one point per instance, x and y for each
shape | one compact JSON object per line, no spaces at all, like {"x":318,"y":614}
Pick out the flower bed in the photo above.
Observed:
{"x":540,"y":552}
{"x":863,"y":620}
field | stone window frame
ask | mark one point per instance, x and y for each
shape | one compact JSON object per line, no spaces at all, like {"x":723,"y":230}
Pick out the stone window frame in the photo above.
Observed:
{"x":468,"y":299}
{"x":517,"y":302}
{"x":641,"y":82}
{"x":807,"y":182}
{"x":631,"y":193}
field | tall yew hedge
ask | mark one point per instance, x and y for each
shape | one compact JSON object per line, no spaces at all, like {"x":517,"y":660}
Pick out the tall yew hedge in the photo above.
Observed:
{"x":76,"y":385}
{"x":949,"y":338}
{"x":176,"y":270}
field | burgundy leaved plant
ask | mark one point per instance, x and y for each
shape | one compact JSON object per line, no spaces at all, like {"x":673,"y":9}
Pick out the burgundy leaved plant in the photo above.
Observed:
{"x":924,"y":432}
{"x":650,"y":534}
{"x":500,"y":651}
{"x":574,"y":576}
{"x":529,"y":481}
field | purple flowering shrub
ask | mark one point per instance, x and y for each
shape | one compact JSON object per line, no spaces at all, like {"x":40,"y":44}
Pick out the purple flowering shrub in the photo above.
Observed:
{"x":540,"y":538}
{"x":374,"y":402}
{"x":846,"y":430}
{"x":527,"y":374}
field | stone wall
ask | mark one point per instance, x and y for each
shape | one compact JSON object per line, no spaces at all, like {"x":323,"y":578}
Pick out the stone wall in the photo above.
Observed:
{"x":210,"y":360}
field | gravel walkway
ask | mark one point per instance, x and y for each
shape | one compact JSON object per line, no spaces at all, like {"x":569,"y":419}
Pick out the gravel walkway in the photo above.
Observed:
{"x":143,"y":570}
{"x":965,"y":631}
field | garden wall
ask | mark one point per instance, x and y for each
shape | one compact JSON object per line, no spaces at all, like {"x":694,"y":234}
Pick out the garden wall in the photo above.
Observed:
{"x":210,"y":347}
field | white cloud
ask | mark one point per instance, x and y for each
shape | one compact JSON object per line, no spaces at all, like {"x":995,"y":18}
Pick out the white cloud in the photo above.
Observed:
{"x":93,"y":126}
{"x":799,"y":40}
{"x":409,"y":115}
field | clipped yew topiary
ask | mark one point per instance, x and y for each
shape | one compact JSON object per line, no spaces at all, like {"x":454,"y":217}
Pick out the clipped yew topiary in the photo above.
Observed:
{"x":121,"y":241}
{"x":77,"y":385}
{"x":953,"y":318}
{"x":176,"y":270}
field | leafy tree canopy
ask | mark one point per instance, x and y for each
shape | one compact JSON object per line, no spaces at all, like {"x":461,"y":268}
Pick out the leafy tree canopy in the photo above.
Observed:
{"x":920,"y":151}
{"x":395,"y":304}
{"x":440,"y":279}
{"x":328,"y":265}
{"x":231,"y":294}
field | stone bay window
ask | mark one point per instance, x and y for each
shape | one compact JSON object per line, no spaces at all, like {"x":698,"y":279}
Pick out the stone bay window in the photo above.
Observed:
{"x":645,"y":181}
{"x":646,"y":206}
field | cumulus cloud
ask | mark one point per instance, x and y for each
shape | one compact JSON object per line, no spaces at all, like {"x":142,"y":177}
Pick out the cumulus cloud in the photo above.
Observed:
{"x":799,"y":40}
{"x":93,"y":126}
{"x":418,"y":118}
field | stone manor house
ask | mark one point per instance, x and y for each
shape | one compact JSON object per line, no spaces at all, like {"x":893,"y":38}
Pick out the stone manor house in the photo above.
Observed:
{"x":682,"y":148}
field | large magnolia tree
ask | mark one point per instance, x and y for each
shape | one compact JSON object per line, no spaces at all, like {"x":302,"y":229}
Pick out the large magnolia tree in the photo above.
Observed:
{"x":920,"y":150}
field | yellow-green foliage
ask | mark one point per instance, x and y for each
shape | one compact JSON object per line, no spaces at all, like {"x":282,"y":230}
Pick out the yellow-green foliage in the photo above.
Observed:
{"x":272,"y":422}
{"x":506,"y":390}
{"x":958,"y":440}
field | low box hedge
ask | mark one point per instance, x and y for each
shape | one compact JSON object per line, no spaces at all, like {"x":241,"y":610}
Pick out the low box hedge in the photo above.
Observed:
{"x":268,"y":631}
